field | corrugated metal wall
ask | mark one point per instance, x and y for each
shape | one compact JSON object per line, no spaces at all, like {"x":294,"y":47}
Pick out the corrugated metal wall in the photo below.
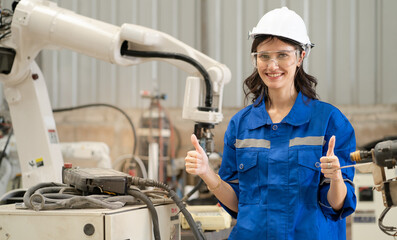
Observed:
{"x":354,"y":57}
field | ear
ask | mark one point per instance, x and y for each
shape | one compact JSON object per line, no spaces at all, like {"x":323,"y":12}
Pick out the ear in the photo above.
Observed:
{"x":303,"y":53}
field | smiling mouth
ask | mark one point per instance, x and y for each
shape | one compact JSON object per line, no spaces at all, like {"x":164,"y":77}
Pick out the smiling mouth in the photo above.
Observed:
{"x":274,"y":74}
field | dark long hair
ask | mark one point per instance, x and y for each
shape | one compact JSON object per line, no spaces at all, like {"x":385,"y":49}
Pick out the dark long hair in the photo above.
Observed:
{"x":254,"y":85}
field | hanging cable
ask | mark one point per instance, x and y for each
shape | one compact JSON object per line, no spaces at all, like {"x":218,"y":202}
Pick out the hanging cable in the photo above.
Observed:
{"x":105,"y":105}
{"x":391,"y":231}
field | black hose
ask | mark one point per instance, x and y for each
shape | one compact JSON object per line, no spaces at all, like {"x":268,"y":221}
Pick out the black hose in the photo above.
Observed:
{"x":152,"y":210}
{"x":154,"y":54}
{"x":152,"y":183}
{"x":194,"y":189}
{"x":105,"y":105}
{"x":389,"y":230}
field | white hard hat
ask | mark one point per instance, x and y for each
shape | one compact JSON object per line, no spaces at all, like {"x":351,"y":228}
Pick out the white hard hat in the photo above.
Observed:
{"x":284,"y":23}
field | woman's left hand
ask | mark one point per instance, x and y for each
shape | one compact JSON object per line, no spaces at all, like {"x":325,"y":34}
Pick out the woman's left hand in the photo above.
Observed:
{"x":330,"y":163}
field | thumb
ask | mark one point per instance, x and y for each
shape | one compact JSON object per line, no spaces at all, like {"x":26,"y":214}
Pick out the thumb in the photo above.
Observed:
{"x":196,"y":144}
{"x":331,"y":146}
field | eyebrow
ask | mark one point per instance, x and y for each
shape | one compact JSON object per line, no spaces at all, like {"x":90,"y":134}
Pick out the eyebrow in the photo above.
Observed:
{"x":280,"y":51}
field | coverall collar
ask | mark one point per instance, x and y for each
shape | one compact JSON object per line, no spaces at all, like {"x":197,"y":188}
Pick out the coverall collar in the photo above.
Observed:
{"x":299,"y":114}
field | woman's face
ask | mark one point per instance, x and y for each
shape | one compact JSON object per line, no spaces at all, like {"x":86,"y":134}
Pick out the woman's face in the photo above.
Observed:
{"x":276,"y":62}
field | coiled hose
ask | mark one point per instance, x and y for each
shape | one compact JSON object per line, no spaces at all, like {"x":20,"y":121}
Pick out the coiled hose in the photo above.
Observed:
{"x":51,"y":196}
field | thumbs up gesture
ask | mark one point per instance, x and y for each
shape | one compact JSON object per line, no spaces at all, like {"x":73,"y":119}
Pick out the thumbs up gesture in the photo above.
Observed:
{"x":330,"y":162}
{"x":196,"y":162}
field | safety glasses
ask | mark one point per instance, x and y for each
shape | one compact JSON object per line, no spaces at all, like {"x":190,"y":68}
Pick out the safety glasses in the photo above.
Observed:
{"x":283,"y":58}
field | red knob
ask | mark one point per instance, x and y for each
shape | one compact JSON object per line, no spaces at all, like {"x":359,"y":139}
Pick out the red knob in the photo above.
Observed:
{"x":67,"y":165}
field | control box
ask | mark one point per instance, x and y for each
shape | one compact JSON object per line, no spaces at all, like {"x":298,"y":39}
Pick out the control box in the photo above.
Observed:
{"x":97,"y":180}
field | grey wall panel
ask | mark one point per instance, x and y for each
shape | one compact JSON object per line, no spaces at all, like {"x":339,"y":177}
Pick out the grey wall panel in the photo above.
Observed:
{"x":366,"y":44}
{"x":228,"y":50}
{"x":253,"y":11}
{"x":353,"y":60}
{"x":319,"y":58}
{"x":341,"y":50}
{"x":389,"y":51}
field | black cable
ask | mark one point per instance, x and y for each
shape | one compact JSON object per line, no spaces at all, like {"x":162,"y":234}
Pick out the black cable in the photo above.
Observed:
{"x":3,"y":153}
{"x":155,"y":219}
{"x":4,"y":35}
{"x":194,"y":189}
{"x":386,"y":229}
{"x":199,"y":235}
{"x":105,"y":105}
{"x":154,"y":54}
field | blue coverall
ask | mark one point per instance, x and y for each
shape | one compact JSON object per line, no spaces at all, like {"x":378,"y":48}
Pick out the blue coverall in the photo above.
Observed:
{"x":274,"y":170}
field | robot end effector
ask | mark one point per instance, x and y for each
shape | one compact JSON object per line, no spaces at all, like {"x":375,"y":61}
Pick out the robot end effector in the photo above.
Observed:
{"x":384,"y":154}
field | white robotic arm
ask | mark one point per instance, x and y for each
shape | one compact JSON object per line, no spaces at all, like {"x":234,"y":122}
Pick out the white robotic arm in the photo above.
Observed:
{"x":40,"y":24}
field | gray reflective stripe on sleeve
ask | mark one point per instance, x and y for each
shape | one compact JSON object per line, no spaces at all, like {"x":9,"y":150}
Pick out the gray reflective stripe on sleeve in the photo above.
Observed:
{"x":246,"y":143}
{"x":312,"y":141}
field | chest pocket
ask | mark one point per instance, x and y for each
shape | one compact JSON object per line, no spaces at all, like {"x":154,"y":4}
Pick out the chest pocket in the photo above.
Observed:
{"x":248,"y":175}
{"x":309,"y":175}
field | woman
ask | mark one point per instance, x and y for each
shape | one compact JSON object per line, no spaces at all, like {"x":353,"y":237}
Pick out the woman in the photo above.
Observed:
{"x":279,"y":174}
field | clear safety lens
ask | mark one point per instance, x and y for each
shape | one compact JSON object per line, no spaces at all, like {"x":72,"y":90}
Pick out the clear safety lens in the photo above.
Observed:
{"x":283,"y":58}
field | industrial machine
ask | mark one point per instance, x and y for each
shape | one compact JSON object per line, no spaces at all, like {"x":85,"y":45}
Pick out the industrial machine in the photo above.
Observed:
{"x":34,"y":25}
{"x":39,"y":24}
{"x":383,"y":155}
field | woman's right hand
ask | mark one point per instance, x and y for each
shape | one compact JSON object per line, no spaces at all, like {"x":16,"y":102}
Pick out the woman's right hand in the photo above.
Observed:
{"x":196,"y":162}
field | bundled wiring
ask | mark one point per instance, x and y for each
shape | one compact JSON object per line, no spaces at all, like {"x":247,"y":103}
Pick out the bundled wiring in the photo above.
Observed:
{"x":391,"y":231}
{"x":51,"y":196}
